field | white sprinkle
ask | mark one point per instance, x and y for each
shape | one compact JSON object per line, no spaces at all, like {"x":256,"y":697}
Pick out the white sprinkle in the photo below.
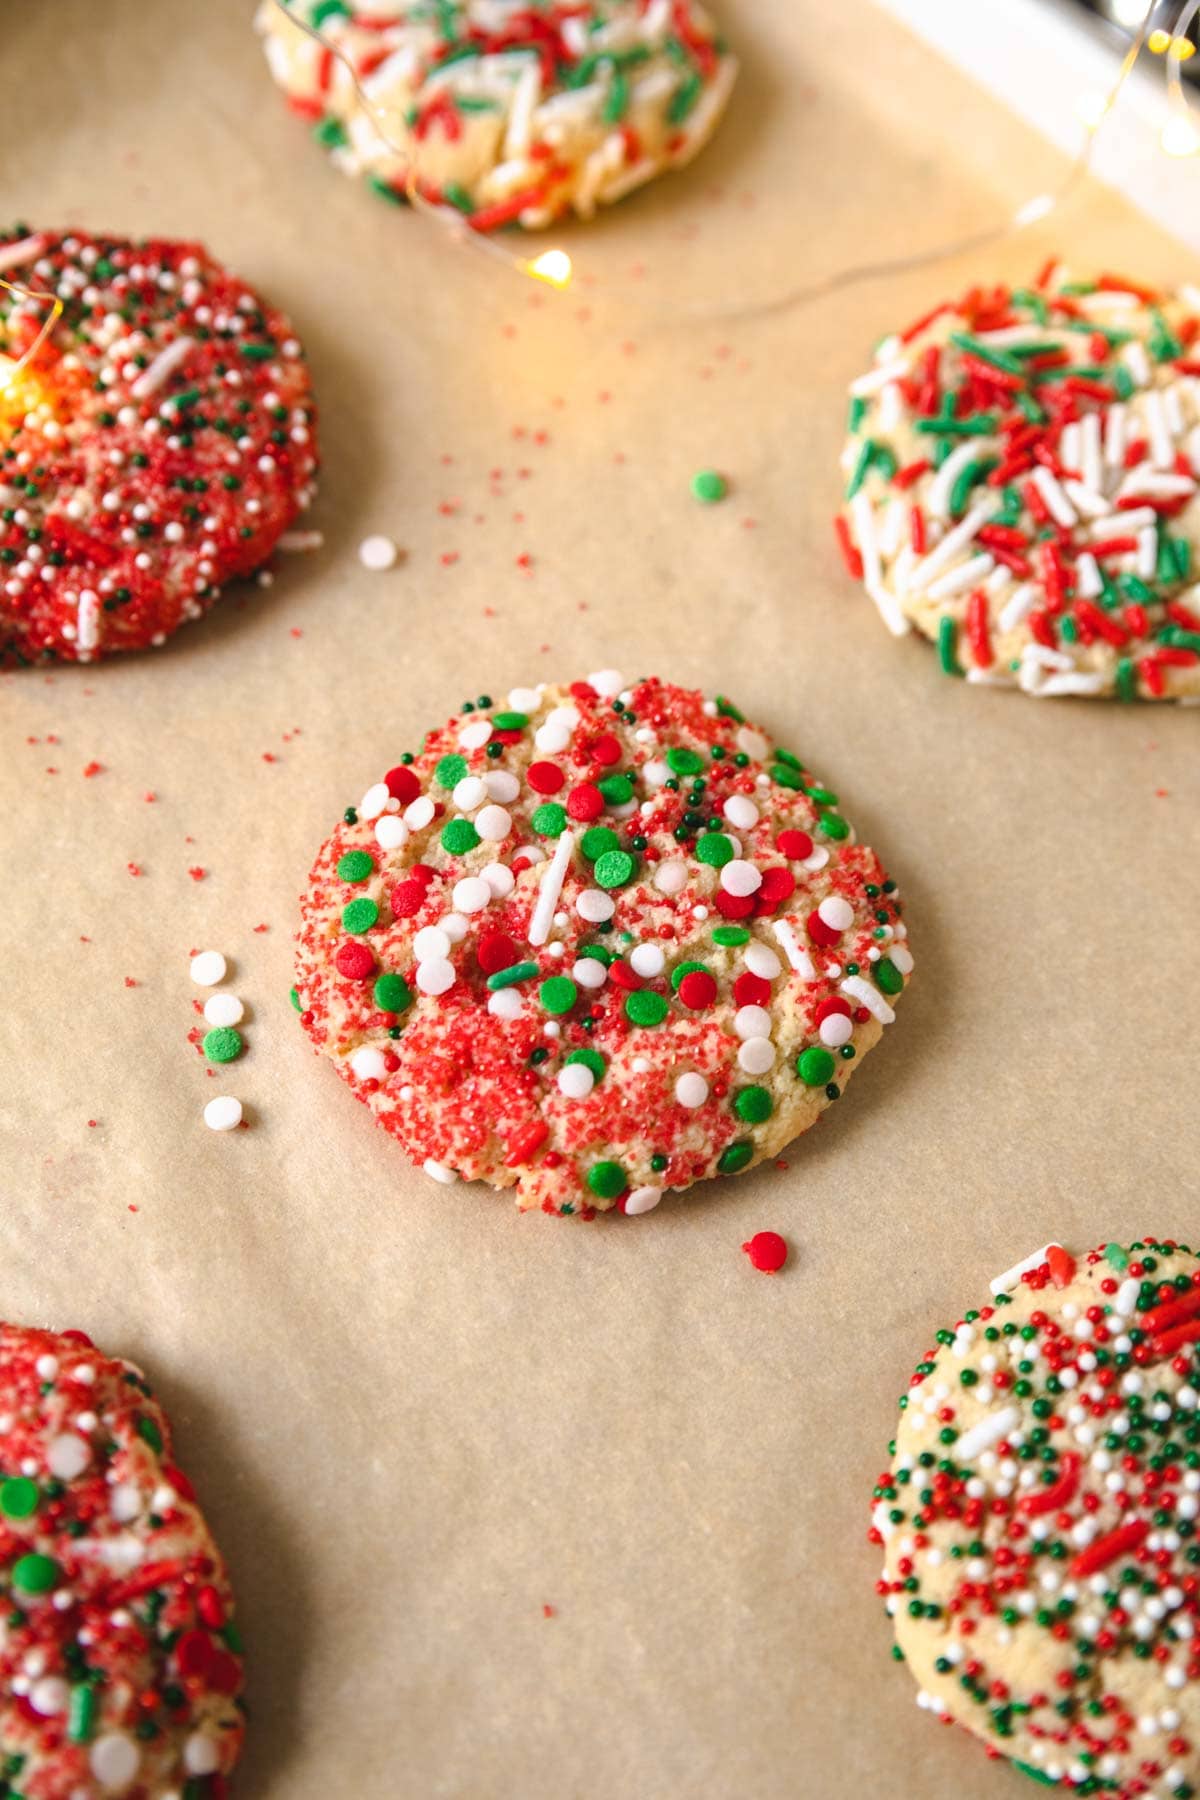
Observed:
{"x":670,"y":877}
{"x":435,"y":976}
{"x":740,"y":878}
{"x":942,"y":486}
{"x":368,"y":1063}
{"x":576,"y":1081}
{"x":469,"y":793}
{"x":390,"y":832}
{"x":431,"y":942}
{"x":836,"y":1030}
{"x":114,"y":1759}
{"x":208,"y":968}
{"x":525,"y":700}
{"x":756,"y":1055}
{"x":642,"y":1200}
{"x":375,"y":800}
{"x":647,"y":960}
{"x":798,"y":958}
{"x":439,"y":1172}
{"x":1147,"y":552}
{"x":454,"y":926}
{"x":224,"y":1009}
{"x":475,"y":734}
{"x":419,"y":813}
{"x":877,"y":378}
{"x":967,"y":575}
{"x":987,"y":1432}
{"x":607,"y":683}
{"x":837,"y":913}
{"x":493,"y":824}
{"x":741,"y":812}
{"x":752,"y":1021}
{"x":501,"y":785}
{"x":499,"y":878}
{"x":962,"y":534}
{"x":855,"y":988}
{"x":761,"y":960}
{"x":589,"y":972}
{"x":691,"y":1090}
{"x":1018,"y":607}
{"x":1162,"y":449}
{"x":377,"y":553}
{"x":594,"y":905}
{"x":164,"y":364}
{"x":1004,"y":1284}
{"x":1088,"y":569}
{"x":1127,"y":1297}
{"x":550,"y":888}
{"x":201,"y":1754}
{"x":223,"y":1114}
{"x":67,"y":1455}
{"x":472,"y":894}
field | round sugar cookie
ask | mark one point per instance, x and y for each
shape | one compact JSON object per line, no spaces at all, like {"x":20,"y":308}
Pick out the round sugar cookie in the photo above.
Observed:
{"x":1038,"y":1521}
{"x":1021,"y":480}
{"x":598,"y":942}
{"x":120,"y":1664}
{"x":154,"y":448}
{"x":511,"y":113}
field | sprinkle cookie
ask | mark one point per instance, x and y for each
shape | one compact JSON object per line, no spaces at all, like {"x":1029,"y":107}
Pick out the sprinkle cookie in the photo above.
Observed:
{"x":1021,"y":483}
{"x":119,"y":1659}
{"x":515,"y":113}
{"x":154,"y":448}
{"x":595,"y":943}
{"x":1038,"y":1520}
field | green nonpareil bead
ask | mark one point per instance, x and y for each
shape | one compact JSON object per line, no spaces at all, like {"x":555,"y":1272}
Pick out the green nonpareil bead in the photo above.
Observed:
{"x":450,"y":771}
{"x":617,"y":789}
{"x":814,"y":1066}
{"x":595,"y":842}
{"x":355,"y":865}
{"x":458,"y":837}
{"x":34,"y":1574}
{"x":614,"y":869}
{"x":19,"y":1497}
{"x":607,"y":1180}
{"x":550,"y":820}
{"x":753,"y":1104}
{"x":391,"y":993}
{"x":645,"y":1008}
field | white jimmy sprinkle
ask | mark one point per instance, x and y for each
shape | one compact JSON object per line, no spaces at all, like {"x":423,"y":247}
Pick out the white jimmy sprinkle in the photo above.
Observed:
{"x":163,"y":365}
{"x":987,"y":1432}
{"x":797,"y":956}
{"x":955,"y":540}
{"x":855,"y":988}
{"x":942,"y":485}
{"x":439,"y":1172}
{"x":877,"y":378}
{"x":967,"y":575}
{"x":1162,"y":449}
{"x":1127,"y":1297}
{"x":1018,"y":607}
{"x":1057,"y":504}
{"x":1004,"y":1284}
{"x":551,"y":887}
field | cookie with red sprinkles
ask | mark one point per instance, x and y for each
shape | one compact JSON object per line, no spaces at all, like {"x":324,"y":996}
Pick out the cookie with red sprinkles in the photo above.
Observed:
{"x":1038,"y":1521}
{"x":1022,"y":475}
{"x":154,"y":448}
{"x":120,"y":1663}
{"x":595,"y":943}
{"x":506,"y":111}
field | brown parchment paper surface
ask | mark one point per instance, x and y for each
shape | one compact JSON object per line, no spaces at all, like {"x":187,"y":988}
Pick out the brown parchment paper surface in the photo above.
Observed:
{"x":416,"y":1418}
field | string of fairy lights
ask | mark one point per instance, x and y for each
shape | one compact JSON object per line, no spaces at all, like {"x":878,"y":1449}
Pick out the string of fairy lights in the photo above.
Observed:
{"x":1180,"y":137}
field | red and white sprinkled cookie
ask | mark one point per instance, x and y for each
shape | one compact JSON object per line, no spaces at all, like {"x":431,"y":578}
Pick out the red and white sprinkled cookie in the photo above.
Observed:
{"x":596,"y":943}
{"x":155,"y":447}
{"x":515,"y":112}
{"x":1041,"y":1556}
{"x":119,"y":1658}
{"x":1021,"y":486}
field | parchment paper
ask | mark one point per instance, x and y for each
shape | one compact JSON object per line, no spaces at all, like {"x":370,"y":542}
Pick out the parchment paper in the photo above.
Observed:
{"x":417,"y":1419}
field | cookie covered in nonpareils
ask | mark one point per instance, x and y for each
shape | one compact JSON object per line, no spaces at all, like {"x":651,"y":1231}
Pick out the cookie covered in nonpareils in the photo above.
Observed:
{"x":154,"y":447}
{"x":596,"y":943}
{"x":1038,"y":1521}
{"x":120,"y":1666}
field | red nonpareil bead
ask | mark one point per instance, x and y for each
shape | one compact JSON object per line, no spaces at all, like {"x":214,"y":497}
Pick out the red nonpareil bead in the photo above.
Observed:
{"x":355,"y":961}
{"x":496,"y":951}
{"x":402,"y":784}
{"x":767,"y":1252}
{"x":408,"y":897}
{"x":585,"y":802}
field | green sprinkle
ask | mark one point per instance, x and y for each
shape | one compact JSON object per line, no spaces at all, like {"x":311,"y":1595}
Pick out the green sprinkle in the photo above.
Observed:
{"x":35,"y":1574}
{"x":1126,"y":679}
{"x":683,"y":99}
{"x":550,"y":819}
{"x":597,"y":841}
{"x":709,"y":486}
{"x":614,"y":868}
{"x":294,"y":997}
{"x":258,"y":352}
{"x":329,"y":9}
{"x":19,"y":1497}
{"x":510,"y":721}
{"x":591,"y":1059}
{"x":459,"y":836}
{"x":450,"y":771}
{"x":735,"y":1156}
{"x":149,"y":1433}
{"x":391,"y":993}
{"x":685,"y":762}
{"x":511,"y":976}
{"x":330,"y":132}
{"x":558,"y":994}
{"x":832,"y":825}
{"x":81,"y":1712}
{"x":948,"y":645}
{"x":730,"y":936}
{"x":888,"y":976}
{"x":785,"y":777}
{"x":998,"y":359}
{"x":753,"y":1104}
{"x":688,"y":968}
{"x":360,"y":914}
{"x":715,"y":849}
{"x":645,"y":1007}
{"x":356,"y":865}
{"x":607,"y":1179}
{"x":617,"y":789}
{"x":965,"y":480}
{"x":858,"y":473}
{"x":814,"y":1066}
{"x":222,"y":1044}
{"x":181,"y":401}
{"x":616,"y":100}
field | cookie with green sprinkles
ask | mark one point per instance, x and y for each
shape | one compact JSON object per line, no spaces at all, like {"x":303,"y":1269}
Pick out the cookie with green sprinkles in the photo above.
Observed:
{"x":1021,"y":486}
{"x":597,"y":943}
{"x":153,"y":448}
{"x":120,"y":1662}
{"x":509,"y":113}
{"x":1038,"y":1521}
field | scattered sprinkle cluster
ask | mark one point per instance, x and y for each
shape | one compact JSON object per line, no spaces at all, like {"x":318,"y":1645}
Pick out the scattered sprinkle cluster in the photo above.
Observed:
{"x":596,"y":943}
{"x":120,"y":1665}
{"x":504,"y":111}
{"x":1022,"y":475}
{"x":1042,"y":1562}
{"x":155,"y":448}
{"x":222,"y":1042}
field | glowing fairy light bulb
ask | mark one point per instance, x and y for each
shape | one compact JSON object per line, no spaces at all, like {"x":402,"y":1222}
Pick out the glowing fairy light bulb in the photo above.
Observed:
{"x":1180,"y":137}
{"x":8,"y":373}
{"x":1091,"y":108}
{"x":553,"y":266}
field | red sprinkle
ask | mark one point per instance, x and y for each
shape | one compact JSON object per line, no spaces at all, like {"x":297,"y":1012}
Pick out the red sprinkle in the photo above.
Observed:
{"x":767,"y":1252}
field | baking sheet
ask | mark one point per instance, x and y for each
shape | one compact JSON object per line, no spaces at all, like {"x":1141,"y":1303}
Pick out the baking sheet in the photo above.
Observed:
{"x":416,"y":1419}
